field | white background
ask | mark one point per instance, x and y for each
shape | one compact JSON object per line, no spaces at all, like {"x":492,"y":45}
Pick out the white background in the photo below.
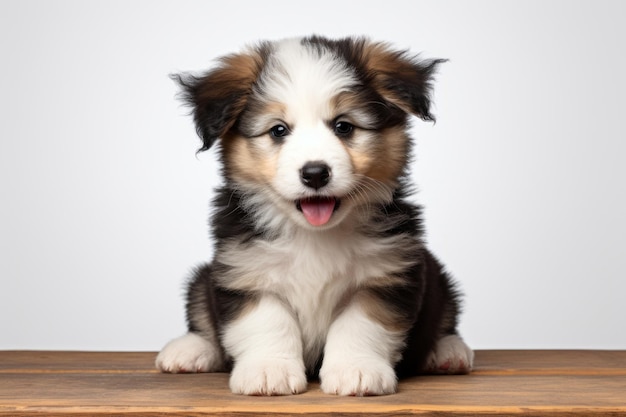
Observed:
{"x":104,"y":204}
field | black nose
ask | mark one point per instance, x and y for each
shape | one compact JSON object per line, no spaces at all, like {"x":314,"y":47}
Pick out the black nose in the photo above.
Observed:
{"x":315,"y":174}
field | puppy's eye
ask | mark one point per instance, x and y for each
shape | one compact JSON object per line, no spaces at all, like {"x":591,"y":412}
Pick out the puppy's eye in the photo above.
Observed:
{"x":279,"y":131}
{"x":343,"y":129}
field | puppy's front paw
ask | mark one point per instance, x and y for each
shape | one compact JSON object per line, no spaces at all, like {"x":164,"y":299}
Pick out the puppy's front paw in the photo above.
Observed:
{"x":371,"y":377}
{"x":268,"y":377}
{"x":450,"y":356}
{"x":189,"y":353}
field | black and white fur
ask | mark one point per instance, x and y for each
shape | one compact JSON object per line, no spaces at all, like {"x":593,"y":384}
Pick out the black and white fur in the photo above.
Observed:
{"x":320,"y":267}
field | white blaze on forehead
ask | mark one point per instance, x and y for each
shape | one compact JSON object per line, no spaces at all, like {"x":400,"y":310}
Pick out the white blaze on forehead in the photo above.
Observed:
{"x":305,"y":79}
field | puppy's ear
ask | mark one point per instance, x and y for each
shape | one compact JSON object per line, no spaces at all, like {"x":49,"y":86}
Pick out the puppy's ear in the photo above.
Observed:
{"x":403,"y":80}
{"x":218,"y":97}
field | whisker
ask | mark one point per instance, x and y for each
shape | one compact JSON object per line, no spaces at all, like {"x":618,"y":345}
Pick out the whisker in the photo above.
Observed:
{"x":369,"y":191}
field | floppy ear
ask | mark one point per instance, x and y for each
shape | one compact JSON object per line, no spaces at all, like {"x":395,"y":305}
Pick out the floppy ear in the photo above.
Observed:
{"x":401,"y":79}
{"x":219,"y":96}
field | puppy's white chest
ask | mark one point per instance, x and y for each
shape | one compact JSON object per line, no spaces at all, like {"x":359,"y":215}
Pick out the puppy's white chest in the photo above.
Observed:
{"x":315,"y":278}
{"x":312,"y":273}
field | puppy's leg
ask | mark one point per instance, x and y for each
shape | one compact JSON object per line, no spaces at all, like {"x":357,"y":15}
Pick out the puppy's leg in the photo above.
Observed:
{"x":361,"y":352}
{"x":450,"y":356}
{"x":266,"y":346}
{"x":198,"y":350}
{"x":190,"y":353}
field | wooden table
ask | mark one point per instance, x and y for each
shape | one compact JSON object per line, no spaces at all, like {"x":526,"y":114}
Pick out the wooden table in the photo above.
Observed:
{"x":556,"y":383}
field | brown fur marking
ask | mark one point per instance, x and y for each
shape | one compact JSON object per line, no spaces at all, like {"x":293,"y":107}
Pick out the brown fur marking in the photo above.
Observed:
{"x":380,"y":312}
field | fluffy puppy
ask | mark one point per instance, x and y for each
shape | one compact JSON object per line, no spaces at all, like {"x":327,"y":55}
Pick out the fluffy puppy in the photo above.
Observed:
{"x":320,"y":267}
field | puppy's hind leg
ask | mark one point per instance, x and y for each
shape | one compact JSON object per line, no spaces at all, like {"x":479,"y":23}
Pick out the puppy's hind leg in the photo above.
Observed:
{"x":190,"y":353}
{"x":199,"y":350}
{"x":451,"y":355}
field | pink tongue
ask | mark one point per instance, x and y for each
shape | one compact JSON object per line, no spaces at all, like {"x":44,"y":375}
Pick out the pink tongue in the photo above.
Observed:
{"x":317,"y":211}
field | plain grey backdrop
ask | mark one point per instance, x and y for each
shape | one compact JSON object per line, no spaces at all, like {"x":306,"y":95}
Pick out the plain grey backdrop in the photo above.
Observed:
{"x":104,"y":203}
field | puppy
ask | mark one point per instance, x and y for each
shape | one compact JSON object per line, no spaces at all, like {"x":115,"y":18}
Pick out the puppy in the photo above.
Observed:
{"x":320,"y":268}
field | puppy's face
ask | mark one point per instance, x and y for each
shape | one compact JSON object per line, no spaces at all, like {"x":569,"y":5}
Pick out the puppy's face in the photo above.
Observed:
{"x":313,"y":126}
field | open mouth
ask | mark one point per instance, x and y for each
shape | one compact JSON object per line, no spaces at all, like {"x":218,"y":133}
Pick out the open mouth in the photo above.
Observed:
{"x":318,"y":210}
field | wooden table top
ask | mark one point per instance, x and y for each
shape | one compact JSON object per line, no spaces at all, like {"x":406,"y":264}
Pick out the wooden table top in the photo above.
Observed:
{"x":503,"y":383}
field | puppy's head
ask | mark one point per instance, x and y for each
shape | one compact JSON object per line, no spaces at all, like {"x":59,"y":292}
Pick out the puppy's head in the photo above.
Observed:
{"x":314,"y":127}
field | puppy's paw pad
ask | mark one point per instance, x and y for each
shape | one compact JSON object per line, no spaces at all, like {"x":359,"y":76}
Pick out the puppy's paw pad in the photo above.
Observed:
{"x":189,"y":353}
{"x":268,"y":377}
{"x":359,"y":379}
{"x":450,"y":356}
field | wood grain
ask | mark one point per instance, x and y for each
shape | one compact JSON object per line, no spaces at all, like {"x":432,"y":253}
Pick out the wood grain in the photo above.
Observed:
{"x":557,"y":383}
